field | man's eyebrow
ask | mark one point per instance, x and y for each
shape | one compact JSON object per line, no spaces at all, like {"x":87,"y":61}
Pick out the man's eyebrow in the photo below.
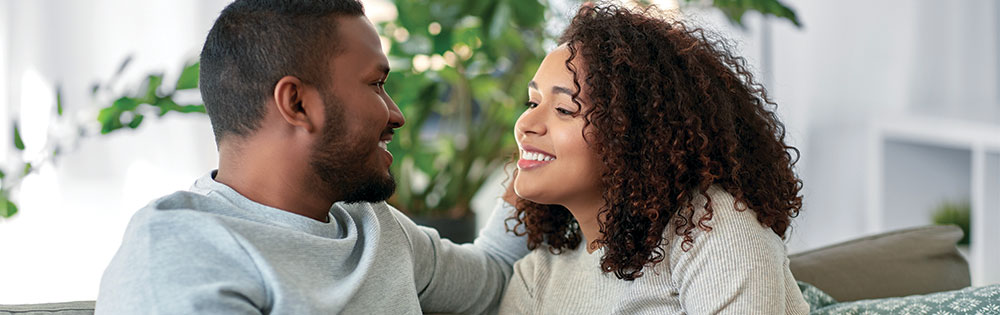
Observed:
{"x":381,"y":70}
{"x":555,"y":89}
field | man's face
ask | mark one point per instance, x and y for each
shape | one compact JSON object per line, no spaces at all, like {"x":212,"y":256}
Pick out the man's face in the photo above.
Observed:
{"x":351,"y":157}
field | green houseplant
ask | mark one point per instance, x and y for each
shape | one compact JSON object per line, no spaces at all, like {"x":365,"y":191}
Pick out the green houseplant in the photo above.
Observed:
{"x":459,"y":72}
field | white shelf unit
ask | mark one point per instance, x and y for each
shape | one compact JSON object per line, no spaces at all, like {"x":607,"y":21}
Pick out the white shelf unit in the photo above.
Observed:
{"x":918,"y":162}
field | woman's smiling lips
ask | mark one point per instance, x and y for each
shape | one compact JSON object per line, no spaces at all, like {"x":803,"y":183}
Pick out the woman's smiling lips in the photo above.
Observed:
{"x":532,"y":157}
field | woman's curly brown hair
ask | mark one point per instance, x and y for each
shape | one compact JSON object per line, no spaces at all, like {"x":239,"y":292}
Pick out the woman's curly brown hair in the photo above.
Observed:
{"x":673,"y":111}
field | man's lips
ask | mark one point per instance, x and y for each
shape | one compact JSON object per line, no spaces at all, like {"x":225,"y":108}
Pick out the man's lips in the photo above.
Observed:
{"x":384,"y":144}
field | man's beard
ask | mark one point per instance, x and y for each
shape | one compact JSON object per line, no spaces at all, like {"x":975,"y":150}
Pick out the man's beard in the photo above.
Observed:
{"x":344,"y":165}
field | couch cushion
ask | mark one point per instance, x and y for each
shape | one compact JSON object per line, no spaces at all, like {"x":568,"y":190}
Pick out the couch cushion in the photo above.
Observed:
{"x":899,"y":263}
{"x":65,"y":308}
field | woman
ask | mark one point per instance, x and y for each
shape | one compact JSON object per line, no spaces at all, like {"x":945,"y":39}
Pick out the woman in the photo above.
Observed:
{"x":654,"y":177}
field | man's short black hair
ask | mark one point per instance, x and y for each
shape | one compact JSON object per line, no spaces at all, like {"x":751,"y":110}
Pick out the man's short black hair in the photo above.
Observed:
{"x":253,"y":44}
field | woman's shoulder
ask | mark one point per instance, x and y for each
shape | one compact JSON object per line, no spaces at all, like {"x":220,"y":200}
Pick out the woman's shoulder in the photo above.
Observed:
{"x":729,"y":222}
{"x":726,"y":211}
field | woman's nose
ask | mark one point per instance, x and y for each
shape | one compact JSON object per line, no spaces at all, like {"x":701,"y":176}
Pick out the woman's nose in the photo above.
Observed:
{"x":532,"y":121}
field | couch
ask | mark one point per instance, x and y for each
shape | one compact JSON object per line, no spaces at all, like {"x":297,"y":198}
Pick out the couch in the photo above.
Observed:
{"x":899,"y":263}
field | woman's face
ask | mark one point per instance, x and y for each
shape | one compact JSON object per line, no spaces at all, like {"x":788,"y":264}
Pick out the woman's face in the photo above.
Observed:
{"x":556,"y":165}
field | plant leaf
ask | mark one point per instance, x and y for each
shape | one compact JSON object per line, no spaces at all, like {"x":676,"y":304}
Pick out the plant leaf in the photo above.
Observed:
{"x":11,"y":209}
{"x":109,"y":119}
{"x":499,"y":20}
{"x":153,"y":83}
{"x":18,"y":143}
{"x":7,"y":208}
{"x":189,"y":77}
{"x":59,"y":106}
{"x":124,"y":64}
{"x":735,"y":9}
{"x":192,"y":109}
{"x":528,"y":13}
{"x":166,"y":105}
{"x":27,"y":168}
{"x":135,"y":121}
{"x":125,"y":103}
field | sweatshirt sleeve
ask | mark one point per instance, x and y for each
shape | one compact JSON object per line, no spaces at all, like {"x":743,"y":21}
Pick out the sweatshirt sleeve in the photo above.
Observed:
{"x":464,"y":278}
{"x":738,"y":267}
{"x":179,"y":263}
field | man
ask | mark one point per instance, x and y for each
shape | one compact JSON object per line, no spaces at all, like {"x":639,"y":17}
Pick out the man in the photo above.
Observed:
{"x":293,"y":221}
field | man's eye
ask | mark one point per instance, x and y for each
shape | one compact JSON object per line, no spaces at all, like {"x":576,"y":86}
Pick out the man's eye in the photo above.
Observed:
{"x":380,"y":85}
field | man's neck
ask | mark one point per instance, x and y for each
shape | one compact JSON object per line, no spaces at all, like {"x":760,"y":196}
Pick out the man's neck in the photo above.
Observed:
{"x":265,"y":177}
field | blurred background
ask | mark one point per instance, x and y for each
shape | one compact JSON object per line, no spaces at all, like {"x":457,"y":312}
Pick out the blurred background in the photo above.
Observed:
{"x":895,"y":106}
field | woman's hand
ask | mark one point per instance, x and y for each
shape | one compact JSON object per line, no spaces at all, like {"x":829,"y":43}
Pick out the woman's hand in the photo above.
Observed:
{"x":509,"y":195}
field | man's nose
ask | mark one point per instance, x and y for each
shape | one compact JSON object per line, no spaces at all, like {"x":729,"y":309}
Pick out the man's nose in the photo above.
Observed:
{"x":396,"y":118}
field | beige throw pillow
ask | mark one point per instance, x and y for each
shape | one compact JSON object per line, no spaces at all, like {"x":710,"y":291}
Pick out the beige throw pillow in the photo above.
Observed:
{"x":905,"y":262}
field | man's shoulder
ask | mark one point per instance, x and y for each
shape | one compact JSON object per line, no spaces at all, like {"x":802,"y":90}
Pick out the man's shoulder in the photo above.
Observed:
{"x":180,"y":215}
{"x":184,"y":200}
{"x":172,"y":249}
{"x":192,"y":207}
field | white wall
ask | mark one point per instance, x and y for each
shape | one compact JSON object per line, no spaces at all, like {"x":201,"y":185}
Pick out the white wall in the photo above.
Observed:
{"x":4,"y":66}
{"x":856,"y":62}
{"x":73,"y":215}
{"x":855,"y":73}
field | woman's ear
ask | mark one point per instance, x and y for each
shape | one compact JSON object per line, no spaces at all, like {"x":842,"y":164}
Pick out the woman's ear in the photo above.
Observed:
{"x":289,"y":100}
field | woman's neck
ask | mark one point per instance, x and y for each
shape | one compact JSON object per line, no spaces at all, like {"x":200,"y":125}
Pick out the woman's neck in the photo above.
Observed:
{"x":586,"y":214}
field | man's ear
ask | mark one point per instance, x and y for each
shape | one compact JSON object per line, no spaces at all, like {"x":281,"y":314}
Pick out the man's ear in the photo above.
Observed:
{"x":290,"y":98}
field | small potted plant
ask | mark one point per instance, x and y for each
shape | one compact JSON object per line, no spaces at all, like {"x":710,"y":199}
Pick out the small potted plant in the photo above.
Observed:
{"x":957,"y":213}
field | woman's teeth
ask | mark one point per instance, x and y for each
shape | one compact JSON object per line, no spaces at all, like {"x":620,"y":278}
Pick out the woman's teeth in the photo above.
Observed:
{"x":535,"y":156}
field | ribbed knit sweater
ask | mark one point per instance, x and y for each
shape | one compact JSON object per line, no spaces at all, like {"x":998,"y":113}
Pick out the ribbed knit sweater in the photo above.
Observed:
{"x":738,"y":267}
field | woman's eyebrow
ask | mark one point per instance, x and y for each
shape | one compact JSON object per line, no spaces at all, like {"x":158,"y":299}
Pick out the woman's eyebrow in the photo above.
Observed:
{"x":555,"y":89}
{"x":559,"y":89}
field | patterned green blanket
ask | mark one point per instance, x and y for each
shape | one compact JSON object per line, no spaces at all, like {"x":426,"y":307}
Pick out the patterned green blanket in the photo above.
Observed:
{"x":981,"y":300}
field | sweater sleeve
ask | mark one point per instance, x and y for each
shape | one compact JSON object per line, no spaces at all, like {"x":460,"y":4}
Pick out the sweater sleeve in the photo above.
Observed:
{"x":180,"y":263}
{"x":738,"y":267}
{"x":464,"y":278}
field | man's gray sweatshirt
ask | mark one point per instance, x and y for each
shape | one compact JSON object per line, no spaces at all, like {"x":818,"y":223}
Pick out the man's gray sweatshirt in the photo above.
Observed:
{"x":211,"y":250}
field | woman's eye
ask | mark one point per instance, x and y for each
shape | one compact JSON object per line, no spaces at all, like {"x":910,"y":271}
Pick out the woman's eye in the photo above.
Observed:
{"x":531,"y":104}
{"x":565,"y":111}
